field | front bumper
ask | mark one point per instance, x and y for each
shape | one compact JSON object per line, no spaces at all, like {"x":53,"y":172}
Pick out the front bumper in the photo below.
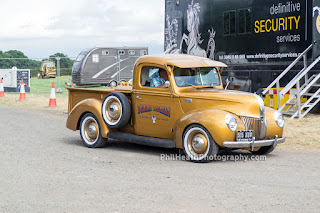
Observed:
{"x":252,"y":144}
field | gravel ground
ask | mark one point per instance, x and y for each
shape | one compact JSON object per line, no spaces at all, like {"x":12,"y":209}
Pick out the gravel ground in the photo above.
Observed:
{"x":45,"y":168}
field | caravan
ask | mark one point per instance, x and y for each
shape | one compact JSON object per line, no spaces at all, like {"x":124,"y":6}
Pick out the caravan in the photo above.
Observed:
{"x":106,"y":66}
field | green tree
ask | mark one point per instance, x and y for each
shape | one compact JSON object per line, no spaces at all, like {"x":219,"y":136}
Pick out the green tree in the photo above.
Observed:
{"x":19,"y":63}
{"x":65,"y":62}
{"x":16,"y":54}
{"x":5,"y":63}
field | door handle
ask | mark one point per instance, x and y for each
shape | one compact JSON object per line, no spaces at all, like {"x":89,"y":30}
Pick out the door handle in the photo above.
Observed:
{"x":138,"y":97}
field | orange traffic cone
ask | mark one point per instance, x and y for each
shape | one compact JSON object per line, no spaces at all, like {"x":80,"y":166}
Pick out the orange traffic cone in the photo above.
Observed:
{"x":1,"y":88}
{"x":53,"y":101}
{"x":72,"y":85}
{"x":22,"y":91}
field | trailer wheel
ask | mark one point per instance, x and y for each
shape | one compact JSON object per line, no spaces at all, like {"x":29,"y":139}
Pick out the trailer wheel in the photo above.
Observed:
{"x":116,"y":110}
{"x":113,"y":83}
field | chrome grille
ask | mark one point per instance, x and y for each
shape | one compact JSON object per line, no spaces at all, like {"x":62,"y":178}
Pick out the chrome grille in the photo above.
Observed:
{"x":255,"y":124}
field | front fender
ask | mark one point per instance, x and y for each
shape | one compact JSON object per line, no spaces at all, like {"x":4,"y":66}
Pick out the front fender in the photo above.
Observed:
{"x":87,"y":106}
{"x":272,"y":127}
{"x":212,"y":119}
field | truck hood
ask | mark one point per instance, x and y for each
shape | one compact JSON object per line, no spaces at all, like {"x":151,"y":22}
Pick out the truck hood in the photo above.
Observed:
{"x":237,"y":102}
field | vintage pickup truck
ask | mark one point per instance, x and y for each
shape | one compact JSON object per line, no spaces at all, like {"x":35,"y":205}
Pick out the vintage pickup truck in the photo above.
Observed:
{"x":190,"y":111}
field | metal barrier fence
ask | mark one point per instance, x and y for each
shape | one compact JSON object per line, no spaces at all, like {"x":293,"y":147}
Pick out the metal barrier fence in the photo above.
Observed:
{"x":34,"y":66}
{"x":102,"y":70}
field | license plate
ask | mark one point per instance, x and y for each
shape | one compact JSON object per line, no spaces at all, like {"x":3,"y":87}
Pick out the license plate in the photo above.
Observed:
{"x":244,"y":135}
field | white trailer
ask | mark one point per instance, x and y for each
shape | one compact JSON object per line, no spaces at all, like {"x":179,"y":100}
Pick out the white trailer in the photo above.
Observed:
{"x":12,"y":79}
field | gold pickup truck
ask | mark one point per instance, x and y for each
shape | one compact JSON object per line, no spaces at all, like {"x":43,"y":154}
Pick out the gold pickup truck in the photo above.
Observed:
{"x":176,"y":101}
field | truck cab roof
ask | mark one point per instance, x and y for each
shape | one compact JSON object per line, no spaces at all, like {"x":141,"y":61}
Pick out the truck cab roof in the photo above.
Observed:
{"x":180,"y":60}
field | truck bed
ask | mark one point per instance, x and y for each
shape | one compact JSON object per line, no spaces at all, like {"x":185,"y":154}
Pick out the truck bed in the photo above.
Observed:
{"x":79,"y":94}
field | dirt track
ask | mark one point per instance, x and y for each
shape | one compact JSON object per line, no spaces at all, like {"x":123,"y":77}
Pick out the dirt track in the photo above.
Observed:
{"x":45,"y":168}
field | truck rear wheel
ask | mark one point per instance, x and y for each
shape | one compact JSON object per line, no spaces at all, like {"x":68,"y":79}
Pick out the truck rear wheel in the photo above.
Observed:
{"x":198,"y":144}
{"x":116,"y":110}
{"x":90,"y":131}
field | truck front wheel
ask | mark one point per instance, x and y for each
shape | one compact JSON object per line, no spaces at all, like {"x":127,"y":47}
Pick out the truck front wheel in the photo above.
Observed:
{"x":90,"y":131}
{"x":198,"y":144}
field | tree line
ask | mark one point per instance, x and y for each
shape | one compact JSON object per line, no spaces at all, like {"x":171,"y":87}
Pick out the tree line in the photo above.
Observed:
{"x":65,"y":61}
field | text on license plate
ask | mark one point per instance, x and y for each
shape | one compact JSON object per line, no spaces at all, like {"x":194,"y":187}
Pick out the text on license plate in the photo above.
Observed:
{"x":244,"y":135}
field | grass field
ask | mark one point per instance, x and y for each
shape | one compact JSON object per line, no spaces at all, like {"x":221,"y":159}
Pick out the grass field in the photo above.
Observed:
{"x":301,"y":134}
{"x":44,"y":85}
{"x":40,"y":94}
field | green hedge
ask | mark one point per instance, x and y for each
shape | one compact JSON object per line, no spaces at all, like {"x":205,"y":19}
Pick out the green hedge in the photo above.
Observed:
{"x":63,"y":71}
{"x":34,"y":72}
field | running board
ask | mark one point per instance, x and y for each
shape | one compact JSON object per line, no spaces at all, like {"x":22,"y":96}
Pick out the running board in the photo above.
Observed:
{"x":142,"y":140}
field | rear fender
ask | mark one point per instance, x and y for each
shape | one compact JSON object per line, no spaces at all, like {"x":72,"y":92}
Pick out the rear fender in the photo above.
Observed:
{"x":87,"y":106}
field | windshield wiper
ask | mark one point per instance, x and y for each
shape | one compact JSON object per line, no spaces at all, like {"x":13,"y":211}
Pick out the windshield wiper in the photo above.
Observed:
{"x":209,"y":86}
{"x":194,"y":86}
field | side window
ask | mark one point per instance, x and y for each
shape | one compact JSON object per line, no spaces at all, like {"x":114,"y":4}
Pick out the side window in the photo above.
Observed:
{"x":153,"y":77}
{"x":121,"y":52}
{"x":245,"y":21}
{"x":105,"y":52}
{"x":229,"y":20}
{"x":95,"y":58}
{"x":132,"y":52}
{"x":143,"y":52}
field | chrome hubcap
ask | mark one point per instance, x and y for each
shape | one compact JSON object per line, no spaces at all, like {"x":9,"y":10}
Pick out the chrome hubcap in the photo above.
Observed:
{"x":114,"y":110}
{"x":198,"y":144}
{"x":92,"y":130}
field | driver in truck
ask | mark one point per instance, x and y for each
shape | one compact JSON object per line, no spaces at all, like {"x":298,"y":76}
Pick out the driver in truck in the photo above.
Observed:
{"x":159,"y":80}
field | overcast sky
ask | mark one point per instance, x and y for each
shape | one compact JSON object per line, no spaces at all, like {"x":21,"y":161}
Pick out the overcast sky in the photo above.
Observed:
{"x":40,"y":28}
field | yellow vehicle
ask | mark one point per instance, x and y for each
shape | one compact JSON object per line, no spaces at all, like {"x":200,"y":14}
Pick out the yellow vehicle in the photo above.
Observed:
{"x":190,"y":110}
{"x":48,"y":70}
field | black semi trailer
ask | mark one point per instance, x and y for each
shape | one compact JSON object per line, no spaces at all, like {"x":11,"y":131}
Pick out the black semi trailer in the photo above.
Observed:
{"x":256,"y":38}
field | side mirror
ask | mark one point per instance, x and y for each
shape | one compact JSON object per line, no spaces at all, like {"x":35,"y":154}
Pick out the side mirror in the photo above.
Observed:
{"x":227,"y":83}
{"x":167,"y":84}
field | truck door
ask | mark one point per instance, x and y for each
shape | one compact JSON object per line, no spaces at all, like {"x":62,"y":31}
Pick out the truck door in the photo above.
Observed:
{"x":152,"y":106}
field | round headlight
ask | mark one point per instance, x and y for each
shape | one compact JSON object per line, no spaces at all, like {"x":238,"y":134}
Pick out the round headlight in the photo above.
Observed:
{"x":231,"y":122}
{"x":278,"y":117}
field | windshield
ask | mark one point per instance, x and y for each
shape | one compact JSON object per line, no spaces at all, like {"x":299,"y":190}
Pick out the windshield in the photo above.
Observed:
{"x":82,"y":55}
{"x":196,"y":76}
